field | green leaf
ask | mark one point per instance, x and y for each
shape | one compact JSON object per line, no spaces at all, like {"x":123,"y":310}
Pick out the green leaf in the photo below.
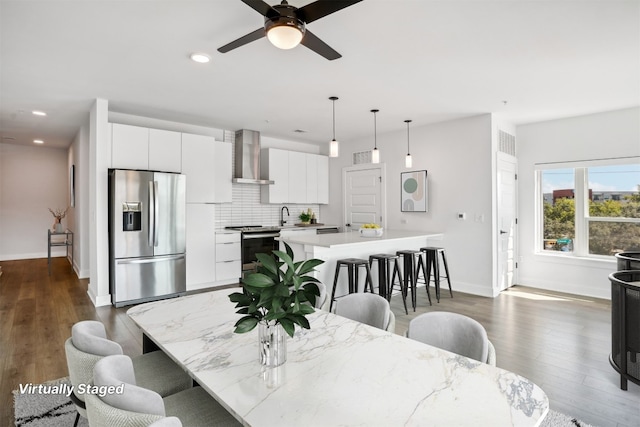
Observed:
{"x":258,"y":280}
{"x":245,"y":324}
{"x":309,"y":265}
{"x":268,"y":262}
{"x":288,"y":326}
{"x":306,"y":309}
{"x":288,"y":259}
{"x":289,"y":250}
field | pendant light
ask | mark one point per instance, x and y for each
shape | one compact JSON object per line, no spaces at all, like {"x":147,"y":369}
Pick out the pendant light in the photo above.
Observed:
{"x":375,"y":154}
{"x":333,"y":145}
{"x":407,"y":161}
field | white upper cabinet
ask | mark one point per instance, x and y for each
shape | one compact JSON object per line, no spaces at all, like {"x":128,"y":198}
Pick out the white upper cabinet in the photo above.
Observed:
{"x":323,"y":180}
{"x":207,"y":165}
{"x":198,"y":154}
{"x":298,"y":177}
{"x":274,"y":165}
{"x":129,"y":147}
{"x":165,"y":150}
{"x":312,"y":177}
{"x":223,"y":172}
{"x":136,"y":147}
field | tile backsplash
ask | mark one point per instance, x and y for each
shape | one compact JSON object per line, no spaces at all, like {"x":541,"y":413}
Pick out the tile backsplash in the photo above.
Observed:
{"x":246,"y":209}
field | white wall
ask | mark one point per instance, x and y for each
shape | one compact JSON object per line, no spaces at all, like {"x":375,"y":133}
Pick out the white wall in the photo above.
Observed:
{"x":33,"y":179}
{"x":79,"y":214}
{"x":597,"y":136}
{"x":458,"y":157}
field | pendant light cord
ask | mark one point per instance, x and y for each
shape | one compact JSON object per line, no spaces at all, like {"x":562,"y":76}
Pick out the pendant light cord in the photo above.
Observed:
{"x":408,"y":148}
{"x":334,"y":118}
{"x":375,"y":130}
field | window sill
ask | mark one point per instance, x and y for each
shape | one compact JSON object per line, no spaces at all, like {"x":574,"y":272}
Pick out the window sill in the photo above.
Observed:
{"x":570,"y":259}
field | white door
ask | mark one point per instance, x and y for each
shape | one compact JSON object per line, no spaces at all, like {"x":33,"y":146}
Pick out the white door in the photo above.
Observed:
{"x":507,"y":169}
{"x":363,"y":194}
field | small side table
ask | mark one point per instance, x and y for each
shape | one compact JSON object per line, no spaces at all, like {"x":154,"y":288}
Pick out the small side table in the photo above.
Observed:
{"x":67,"y":242}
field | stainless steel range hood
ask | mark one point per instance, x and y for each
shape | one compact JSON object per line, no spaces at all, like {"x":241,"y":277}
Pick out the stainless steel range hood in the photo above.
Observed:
{"x":247,"y":159}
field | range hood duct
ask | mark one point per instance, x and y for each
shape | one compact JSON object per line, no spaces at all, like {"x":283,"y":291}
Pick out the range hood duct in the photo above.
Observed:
{"x":247,"y":159}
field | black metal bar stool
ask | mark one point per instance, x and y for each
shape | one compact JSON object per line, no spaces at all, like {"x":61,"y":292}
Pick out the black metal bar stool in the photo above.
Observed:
{"x":433,"y":264}
{"x":386,"y":279}
{"x":410,"y":272}
{"x":353,"y":265}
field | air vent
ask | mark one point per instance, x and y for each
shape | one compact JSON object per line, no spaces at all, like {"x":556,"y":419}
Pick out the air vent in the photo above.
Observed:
{"x":506,"y":143}
{"x":362,"y":157}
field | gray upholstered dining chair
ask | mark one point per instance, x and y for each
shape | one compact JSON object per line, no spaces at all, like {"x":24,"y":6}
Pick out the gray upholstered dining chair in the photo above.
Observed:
{"x":134,"y":406}
{"x":365,"y":307}
{"x":322,"y":299}
{"x":88,"y":344}
{"x":455,"y":333}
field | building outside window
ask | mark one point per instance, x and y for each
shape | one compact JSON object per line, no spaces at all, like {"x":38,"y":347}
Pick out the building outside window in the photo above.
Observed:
{"x":591,"y":211}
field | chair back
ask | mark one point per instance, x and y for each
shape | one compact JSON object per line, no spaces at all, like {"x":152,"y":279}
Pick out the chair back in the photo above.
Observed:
{"x":130,"y":405}
{"x":366,"y":308}
{"x":322,"y":299}
{"x":86,"y":346}
{"x":452,"y":332}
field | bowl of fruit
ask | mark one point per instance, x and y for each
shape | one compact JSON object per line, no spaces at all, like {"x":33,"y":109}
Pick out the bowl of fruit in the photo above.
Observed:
{"x":370,"y":230}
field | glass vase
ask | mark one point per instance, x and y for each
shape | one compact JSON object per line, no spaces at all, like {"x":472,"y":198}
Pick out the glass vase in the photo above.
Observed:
{"x":272,"y":345}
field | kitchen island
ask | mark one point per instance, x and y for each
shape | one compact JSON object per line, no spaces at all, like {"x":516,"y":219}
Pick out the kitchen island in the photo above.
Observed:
{"x":332,"y":247}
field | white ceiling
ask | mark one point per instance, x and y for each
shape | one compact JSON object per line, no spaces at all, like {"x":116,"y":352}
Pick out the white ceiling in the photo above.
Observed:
{"x":427,"y":61}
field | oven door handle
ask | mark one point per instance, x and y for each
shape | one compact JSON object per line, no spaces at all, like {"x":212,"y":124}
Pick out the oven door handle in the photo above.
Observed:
{"x":259,"y":235}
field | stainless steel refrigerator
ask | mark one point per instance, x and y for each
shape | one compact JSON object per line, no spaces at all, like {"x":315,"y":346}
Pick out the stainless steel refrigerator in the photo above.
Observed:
{"x":147,"y":213}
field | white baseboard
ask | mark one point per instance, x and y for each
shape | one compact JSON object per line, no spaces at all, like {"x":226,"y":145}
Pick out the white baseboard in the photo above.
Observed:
{"x":99,"y":301}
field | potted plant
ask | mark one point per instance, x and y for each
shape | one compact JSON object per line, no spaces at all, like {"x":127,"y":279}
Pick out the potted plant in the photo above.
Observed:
{"x":276,"y":298}
{"x":305,"y":216}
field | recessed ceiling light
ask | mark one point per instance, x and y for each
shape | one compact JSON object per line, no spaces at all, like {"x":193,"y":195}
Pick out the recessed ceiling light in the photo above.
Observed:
{"x":38,"y":113}
{"x":38,"y":141}
{"x":201,"y":58}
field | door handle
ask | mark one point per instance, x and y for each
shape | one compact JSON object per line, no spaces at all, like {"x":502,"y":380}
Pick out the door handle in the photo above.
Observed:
{"x":503,"y":232}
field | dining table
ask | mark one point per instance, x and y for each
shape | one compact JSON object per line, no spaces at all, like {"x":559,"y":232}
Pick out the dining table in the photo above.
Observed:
{"x":339,"y":372}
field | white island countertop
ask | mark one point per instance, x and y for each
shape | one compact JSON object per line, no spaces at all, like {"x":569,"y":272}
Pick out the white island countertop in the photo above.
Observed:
{"x":354,"y":238}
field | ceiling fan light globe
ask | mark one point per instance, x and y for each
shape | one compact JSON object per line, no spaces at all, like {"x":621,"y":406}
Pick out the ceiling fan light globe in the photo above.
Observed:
{"x":284,"y":36}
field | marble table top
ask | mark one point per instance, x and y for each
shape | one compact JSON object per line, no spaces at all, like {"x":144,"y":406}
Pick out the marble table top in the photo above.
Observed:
{"x":339,"y":372}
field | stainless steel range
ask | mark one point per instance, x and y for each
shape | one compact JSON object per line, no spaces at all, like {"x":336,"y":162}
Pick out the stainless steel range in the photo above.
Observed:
{"x":256,"y":239}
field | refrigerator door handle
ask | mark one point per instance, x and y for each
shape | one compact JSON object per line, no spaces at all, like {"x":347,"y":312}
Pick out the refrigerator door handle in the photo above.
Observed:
{"x":149,"y":260}
{"x":152,"y":214}
{"x":156,"y":210}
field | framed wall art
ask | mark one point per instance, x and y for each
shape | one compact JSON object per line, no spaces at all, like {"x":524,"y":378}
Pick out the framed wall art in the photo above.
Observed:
{"x":413,"y":191}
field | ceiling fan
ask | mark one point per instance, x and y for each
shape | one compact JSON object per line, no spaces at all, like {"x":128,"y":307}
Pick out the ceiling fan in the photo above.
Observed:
{"x":285,"y":25}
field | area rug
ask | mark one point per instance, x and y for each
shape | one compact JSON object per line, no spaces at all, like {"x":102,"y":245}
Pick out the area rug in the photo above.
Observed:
{"x":35,"y":407}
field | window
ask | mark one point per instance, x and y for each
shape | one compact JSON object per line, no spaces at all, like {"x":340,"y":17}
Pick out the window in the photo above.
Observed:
{"x":558,"y":195}
{"x":591,"y":210}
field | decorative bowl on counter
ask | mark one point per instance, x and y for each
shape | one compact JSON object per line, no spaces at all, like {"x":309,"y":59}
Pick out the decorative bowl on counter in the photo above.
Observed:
{"x":371,"y":232}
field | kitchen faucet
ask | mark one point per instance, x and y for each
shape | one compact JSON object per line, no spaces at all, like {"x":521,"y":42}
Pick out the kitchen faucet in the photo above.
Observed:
{"x":282,"y":221}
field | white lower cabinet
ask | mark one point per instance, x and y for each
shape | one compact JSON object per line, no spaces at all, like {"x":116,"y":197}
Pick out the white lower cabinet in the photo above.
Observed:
{"x":201,"y":246}
{"x":228,"y":257}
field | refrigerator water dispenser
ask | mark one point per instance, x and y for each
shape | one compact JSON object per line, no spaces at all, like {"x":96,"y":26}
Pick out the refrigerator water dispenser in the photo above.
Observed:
{"x":131,"y":216}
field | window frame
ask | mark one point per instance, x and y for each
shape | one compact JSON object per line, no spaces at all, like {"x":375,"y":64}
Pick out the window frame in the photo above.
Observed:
{"x":582,"y":218}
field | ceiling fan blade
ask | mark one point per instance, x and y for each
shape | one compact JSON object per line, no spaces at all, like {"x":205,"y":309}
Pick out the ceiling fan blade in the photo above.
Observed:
{"x":321,"y":8}
{"x":253,"y":36}
{"x":261,"y":7}
{"x":311,"y":41}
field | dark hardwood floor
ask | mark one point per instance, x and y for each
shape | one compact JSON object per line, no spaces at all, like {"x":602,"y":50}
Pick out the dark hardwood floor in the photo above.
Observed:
{"x":559,"y":341}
